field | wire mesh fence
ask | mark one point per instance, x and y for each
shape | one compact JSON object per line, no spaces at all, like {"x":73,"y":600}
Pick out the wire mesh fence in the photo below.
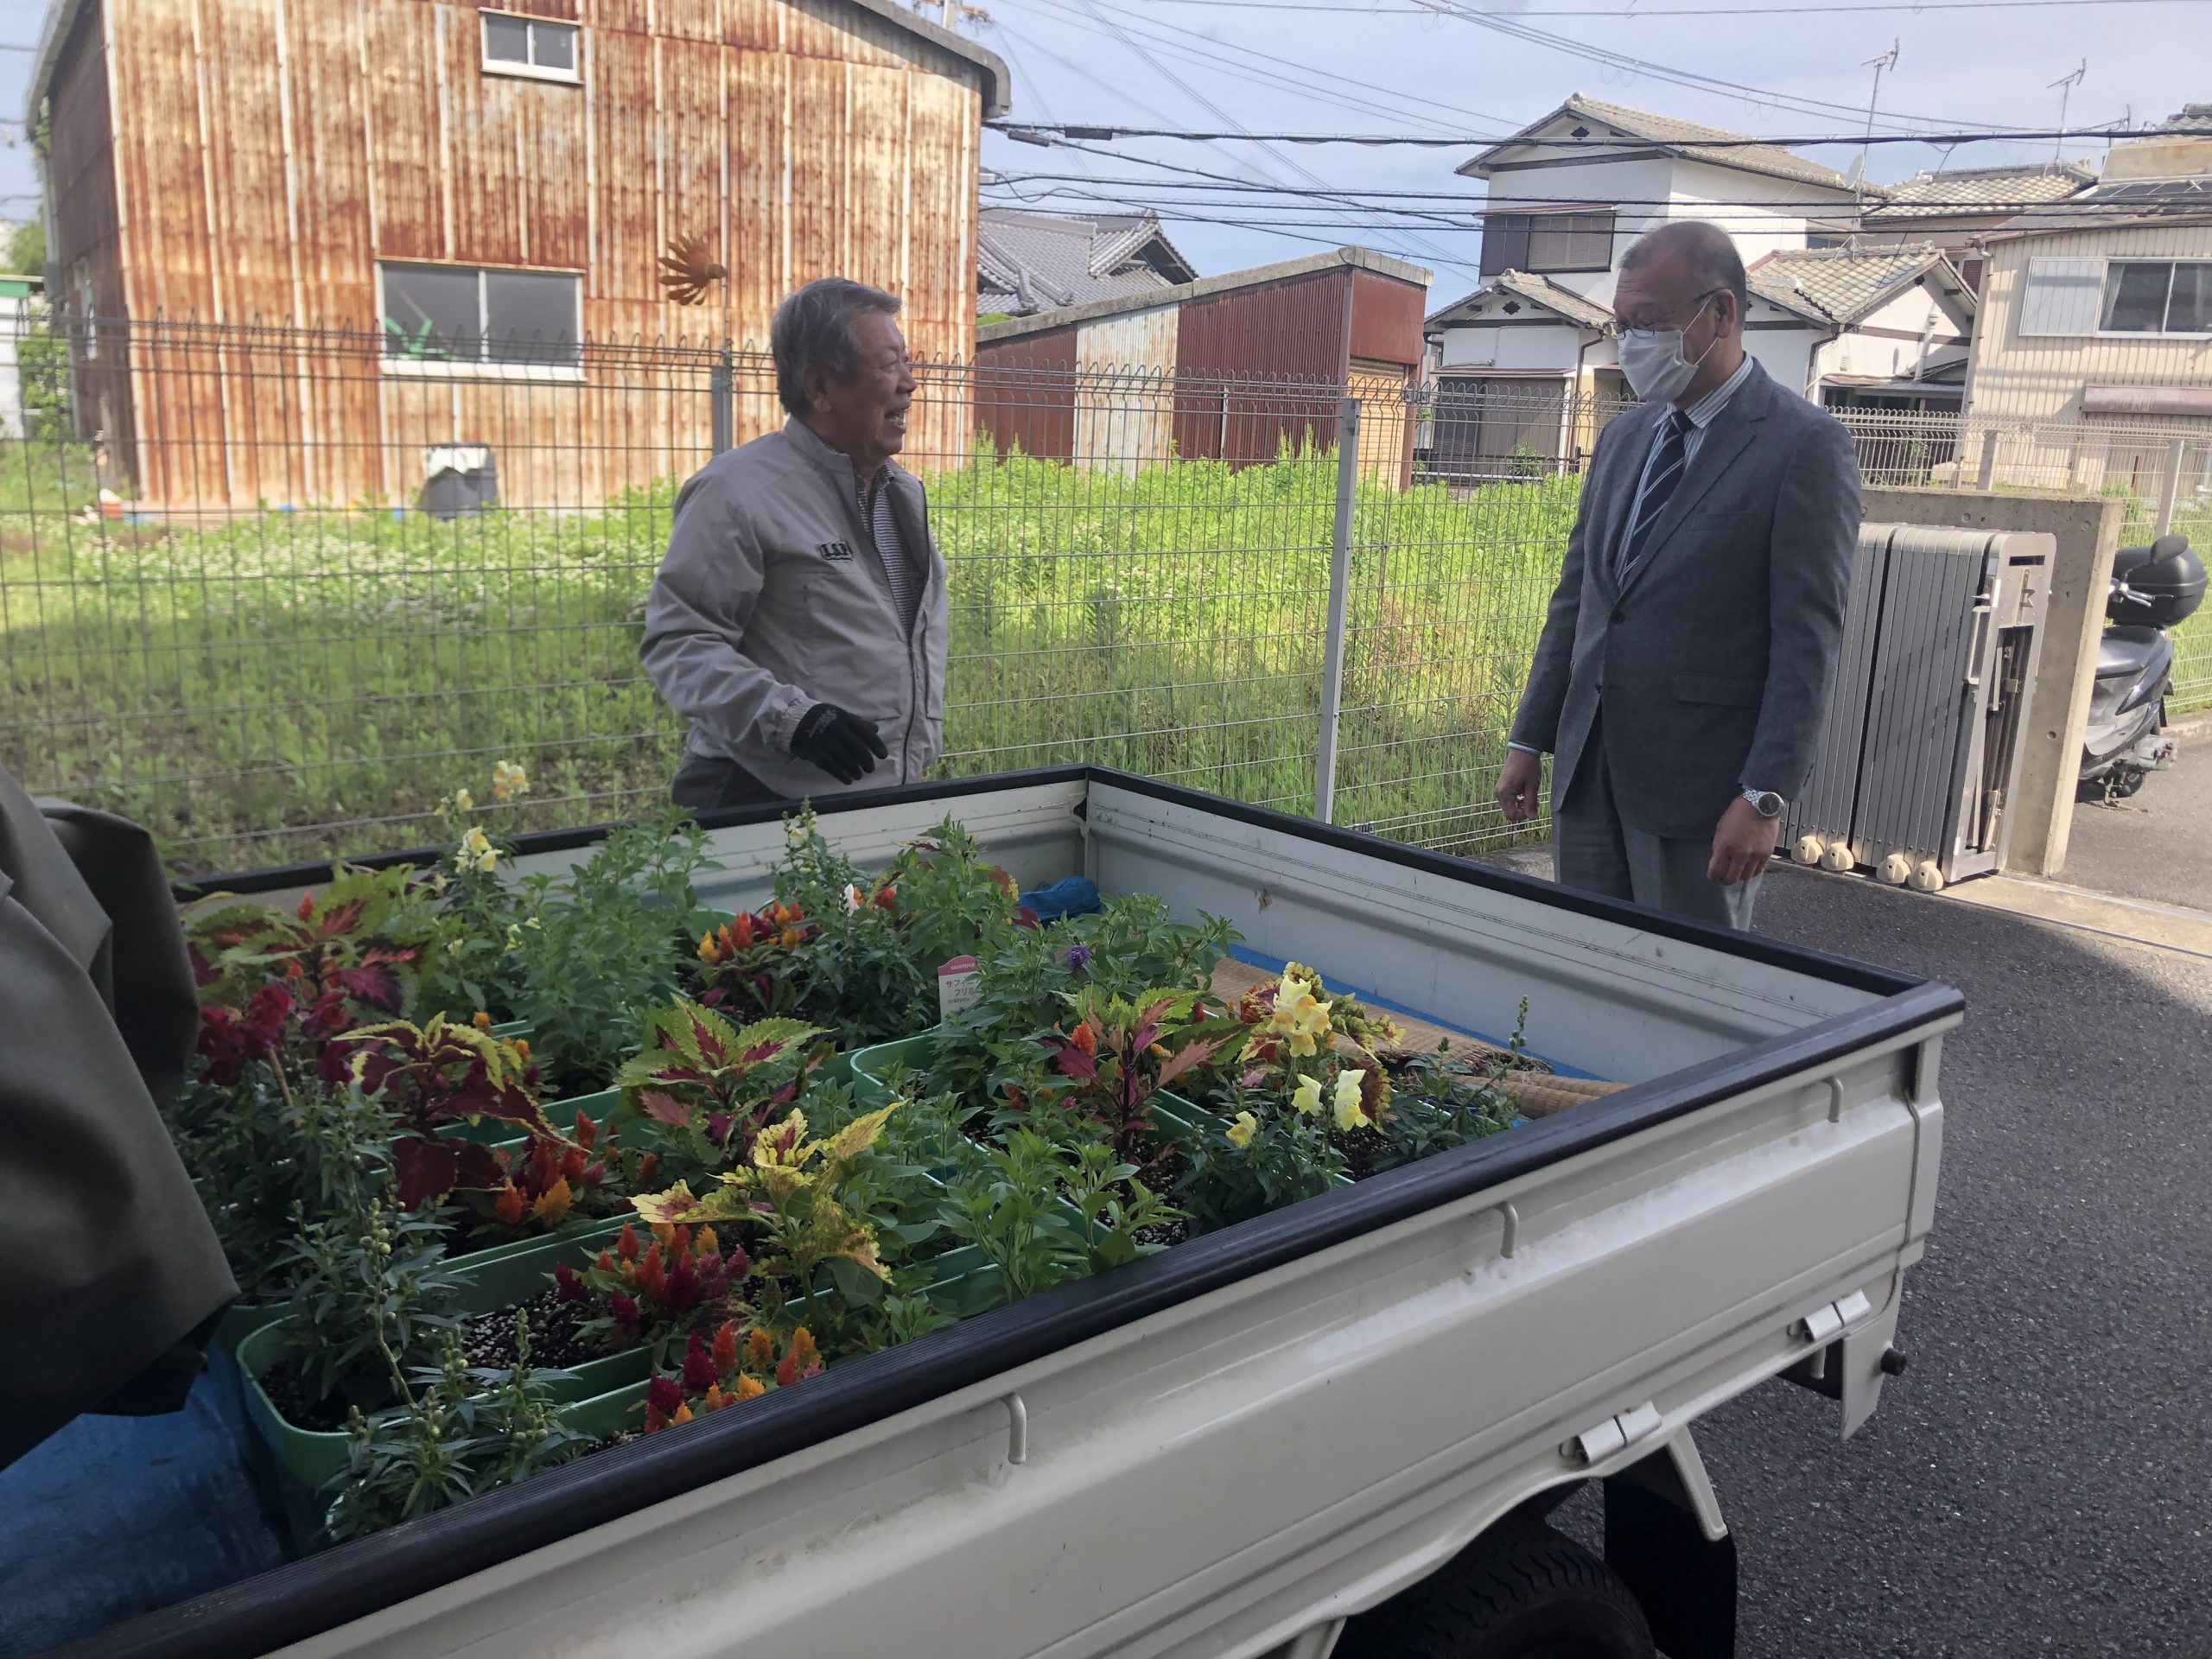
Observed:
{"x":274,"y":593}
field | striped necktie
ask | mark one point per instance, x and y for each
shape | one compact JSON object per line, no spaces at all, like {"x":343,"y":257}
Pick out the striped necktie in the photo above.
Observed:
{"x":1664,"y":472}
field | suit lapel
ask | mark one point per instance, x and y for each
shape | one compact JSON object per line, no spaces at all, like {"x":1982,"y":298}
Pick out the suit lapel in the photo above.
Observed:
{"x":1731,"y":430}
{"x":1620,"y":499}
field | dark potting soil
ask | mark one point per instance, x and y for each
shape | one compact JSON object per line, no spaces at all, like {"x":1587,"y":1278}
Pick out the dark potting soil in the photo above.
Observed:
{"x":555,"y":1334}
{"x":286,"y":1386}
{"x":1162,"y":1174}
{"x":1358,"y":1151}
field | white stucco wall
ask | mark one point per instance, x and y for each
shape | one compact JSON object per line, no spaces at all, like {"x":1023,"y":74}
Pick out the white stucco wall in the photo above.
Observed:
{"x":1759,"y":229}
{"x":1475,"y":346}
{"x":1601,"y":184}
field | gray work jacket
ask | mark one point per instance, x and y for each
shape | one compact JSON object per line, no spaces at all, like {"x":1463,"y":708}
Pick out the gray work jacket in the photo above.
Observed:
{"x":773,"y":598}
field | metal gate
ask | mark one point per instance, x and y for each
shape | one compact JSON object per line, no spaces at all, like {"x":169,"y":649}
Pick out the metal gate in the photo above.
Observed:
{"x":1921,"y":751}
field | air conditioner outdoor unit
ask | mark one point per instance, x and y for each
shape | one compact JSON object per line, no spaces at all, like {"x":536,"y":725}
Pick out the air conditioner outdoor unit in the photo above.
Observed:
{"x":1920,"y":755}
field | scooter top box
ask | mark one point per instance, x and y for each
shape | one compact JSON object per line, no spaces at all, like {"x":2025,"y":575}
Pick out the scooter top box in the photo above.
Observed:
{"x":2157,"y":586}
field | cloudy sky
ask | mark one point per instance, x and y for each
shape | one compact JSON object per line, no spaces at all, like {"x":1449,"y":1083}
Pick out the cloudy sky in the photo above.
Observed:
{"x":1295,"y":67}
{"x":1220,"y":65}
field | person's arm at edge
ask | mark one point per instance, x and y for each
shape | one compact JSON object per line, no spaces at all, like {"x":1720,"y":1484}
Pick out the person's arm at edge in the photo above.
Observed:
{"x":702,"y":600}
{"x":1809,"y":583}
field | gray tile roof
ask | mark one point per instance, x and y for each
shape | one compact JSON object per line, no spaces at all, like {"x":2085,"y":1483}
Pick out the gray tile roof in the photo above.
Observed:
{"x":1027,"y":263}
{"x":1841,"y":285}
{"x":2127,"y":201}
{"x":1540,"y":290}
{"x":1975,"y":189}
{"x":1687,"y":138}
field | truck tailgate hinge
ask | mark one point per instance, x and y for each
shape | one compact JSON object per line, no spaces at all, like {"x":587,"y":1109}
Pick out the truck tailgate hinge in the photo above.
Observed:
{"x":1596,"y":1444}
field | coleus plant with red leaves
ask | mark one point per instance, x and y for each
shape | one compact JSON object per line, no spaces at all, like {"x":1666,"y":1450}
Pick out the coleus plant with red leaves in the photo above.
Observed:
{"x":712,"y":1083}
{"x":726,"y":1369}
{"x":433,"y":1076}
{"x":1117,"y":1055}
{"x":337,"y":956}
{"x":549,"y":1182}
{"x":655,"y":1289}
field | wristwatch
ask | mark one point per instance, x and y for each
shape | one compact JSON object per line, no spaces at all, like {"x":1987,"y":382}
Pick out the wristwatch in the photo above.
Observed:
{"x":1768,"y":803}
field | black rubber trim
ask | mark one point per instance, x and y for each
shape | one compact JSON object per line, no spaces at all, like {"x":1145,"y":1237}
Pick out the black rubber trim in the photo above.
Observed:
{"x":307,"y":1597}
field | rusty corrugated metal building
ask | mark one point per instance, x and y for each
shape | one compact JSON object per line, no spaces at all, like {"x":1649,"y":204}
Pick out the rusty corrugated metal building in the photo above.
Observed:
{"x":1126,"y":382}
{"x":469,"y":192}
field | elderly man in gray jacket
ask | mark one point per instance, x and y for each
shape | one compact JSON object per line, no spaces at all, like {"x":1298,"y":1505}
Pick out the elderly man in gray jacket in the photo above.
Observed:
{"x":800,"y":618}
{"x":1682,"y":674}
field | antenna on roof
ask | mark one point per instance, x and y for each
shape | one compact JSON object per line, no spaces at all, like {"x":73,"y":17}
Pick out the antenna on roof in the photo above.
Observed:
{"x":2065,"y":86}
{"x":1887,"y":60}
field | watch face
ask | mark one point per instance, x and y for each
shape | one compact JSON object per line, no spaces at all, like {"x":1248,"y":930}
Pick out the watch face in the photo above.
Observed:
{"x":1768,"y":803}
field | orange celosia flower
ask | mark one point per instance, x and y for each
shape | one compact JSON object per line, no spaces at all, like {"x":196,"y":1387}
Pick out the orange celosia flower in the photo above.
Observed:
{"x":521,"y":1047}
{"x":646,"y":1166}
{"x":572,"y":1166}
{"x":725,"y":1348}
{"x":508,"y":1206}
{"x":307,"y":906}
{"x":480,"y":1019}
{"x":552,"y":1206}
{"x":680,"y":1248}
{"x":759,"y":1348}
{"x":626,"y":1243}
{"x":788,"y":939}
{"x":587,"y":1131}
{"x":654,"y":1422}
{"x":664,"y":1231}
{"x":706,"y":1243}
{"x":1086,"y":1039}
{"x":707,"y":949}
{"x":749,"y":1386}
{"x":652,"y":1276}
{"x":683,"y":1414}
{"x":741,"y":931}
{"x":713,"y":1397}
{"x":606,"y":1262}
{"x":295,"y":969}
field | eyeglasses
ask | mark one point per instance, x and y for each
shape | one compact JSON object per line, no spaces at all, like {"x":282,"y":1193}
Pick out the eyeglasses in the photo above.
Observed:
{"x":1618,"y":331}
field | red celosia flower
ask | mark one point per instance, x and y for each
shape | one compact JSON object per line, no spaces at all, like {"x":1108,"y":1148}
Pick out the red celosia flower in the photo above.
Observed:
{"x":626,"y":1243}
{"x":510,"y":1206}
{"x":699,"y":1372}
{"x":664,"y":1396}
{"x":646,"y":1166}
{"x":570,"y":1286}
{"x":572,"y":1166}
{"x":625,"y":1314}
{"x":587,"y":1131}
{"x":725,"y":1350}
{"x":306,"y":906}
{"x":652,"y":1273}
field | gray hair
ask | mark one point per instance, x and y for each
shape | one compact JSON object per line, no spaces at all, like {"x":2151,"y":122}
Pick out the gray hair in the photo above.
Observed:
{"x":813,"y":325}
{"x":1708,"y":249}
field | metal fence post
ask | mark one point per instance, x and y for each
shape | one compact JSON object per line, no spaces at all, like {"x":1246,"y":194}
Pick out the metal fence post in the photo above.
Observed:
{"x":2169,"y":486}
{"x":1987,"y":479}
{"x":1332,"y":650}
{"x":719,"y":383}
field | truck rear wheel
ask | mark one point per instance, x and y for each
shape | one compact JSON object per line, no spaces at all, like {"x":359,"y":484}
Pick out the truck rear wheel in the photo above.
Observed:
{"x":1521,"y":1592}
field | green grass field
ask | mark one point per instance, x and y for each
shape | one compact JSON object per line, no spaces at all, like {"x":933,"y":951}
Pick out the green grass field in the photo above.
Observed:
{"x":291,"y":684}
{"x":287,"y":685}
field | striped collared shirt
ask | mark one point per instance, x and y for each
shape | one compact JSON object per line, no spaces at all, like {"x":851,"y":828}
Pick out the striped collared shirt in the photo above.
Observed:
{"x":891,"y":546}
{"x":1699,"y":414}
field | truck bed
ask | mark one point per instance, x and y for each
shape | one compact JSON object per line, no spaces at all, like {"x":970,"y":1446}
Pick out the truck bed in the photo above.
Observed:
{"x":1233,"y":1442}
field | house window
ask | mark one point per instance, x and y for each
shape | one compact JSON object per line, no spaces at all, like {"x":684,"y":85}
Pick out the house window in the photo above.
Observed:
{"x":531,"y":46}
{"x":2157,"y":296}
{"x":457,"y":319}
{"x":1548,"y":242}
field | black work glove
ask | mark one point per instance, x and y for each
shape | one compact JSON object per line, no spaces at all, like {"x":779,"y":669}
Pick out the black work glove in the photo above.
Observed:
{"x":841,"y":743}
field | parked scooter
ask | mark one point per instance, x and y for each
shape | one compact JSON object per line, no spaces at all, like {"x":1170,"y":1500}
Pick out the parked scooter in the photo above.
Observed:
{"x":2153,"y":589}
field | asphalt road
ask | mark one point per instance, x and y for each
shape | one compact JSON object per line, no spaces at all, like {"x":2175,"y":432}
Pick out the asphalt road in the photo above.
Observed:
{"x":2040,"y":1479}
{"x":2156,"y":846}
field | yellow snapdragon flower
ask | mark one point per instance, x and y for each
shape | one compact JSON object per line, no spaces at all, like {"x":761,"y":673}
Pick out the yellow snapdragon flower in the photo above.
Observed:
{"x":1351,"y":1115}
{"x":1306,"y":1098}
{"x":1241,"y":1131}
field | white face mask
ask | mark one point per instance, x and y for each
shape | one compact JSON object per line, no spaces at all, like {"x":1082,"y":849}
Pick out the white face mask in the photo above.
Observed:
{"x":1653,"y":361}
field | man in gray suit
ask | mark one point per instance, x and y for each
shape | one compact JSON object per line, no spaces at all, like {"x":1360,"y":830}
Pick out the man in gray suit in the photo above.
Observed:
{"x":1683,"y":671}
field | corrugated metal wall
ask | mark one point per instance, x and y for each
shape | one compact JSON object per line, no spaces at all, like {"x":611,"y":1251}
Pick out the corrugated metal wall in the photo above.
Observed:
{"x":1025,"y":393}
{"x":271,"y":152}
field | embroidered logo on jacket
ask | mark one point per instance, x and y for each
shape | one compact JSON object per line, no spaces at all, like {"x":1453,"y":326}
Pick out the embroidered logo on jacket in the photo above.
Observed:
{"x":835,"y":549}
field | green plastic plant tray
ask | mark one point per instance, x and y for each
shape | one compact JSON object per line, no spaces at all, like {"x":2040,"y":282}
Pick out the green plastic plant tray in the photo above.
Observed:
{"x":519,"y":1272}
{"x":869,"y":1063}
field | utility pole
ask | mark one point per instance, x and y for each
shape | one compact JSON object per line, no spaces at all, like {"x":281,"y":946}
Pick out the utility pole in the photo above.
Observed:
{"x":2065,"y":86}
{"x":1887,"y":61}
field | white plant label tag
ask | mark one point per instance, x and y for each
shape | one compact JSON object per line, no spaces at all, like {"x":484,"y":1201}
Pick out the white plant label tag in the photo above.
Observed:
{"x":959,"y":982}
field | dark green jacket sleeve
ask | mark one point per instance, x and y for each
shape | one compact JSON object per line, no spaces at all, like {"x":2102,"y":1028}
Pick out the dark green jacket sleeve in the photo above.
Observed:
{"x":107,"y":1260}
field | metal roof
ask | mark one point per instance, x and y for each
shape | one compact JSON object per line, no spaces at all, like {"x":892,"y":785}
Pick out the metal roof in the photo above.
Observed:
{"x":1993,"y":190}
{"x":1842,"y":285}
{"x":1027,"y":263}
{"x":1678,"y":137}
{"x":1205,"y":287}
{"x":2121,"y":203}
{"x":998,"y":86}
{"x":1582,"y":312}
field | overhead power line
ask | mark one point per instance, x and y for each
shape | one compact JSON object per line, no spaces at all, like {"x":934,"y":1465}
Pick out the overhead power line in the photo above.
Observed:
{"x":1035,"y":132}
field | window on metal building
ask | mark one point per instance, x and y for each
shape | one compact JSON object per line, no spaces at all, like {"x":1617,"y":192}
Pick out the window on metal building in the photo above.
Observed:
{"x":460,"y":319}
{"x":533,"y":47}
{"x":2157,"y":296}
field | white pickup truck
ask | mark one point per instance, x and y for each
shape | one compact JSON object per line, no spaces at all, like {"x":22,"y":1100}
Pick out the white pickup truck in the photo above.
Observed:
{"x":1358,"y":1409}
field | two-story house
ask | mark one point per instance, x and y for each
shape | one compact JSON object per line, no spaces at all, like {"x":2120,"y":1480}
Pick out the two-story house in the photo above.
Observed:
{"x":463,"y":196}
{"x":2095,"y":349}
{"x":1523,"y":366}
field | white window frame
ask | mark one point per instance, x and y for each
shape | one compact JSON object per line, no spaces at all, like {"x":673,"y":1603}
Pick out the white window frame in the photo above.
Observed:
{"x":572,"y":76}
{"x":418,"y":368}
{"x":2171,"y":261}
